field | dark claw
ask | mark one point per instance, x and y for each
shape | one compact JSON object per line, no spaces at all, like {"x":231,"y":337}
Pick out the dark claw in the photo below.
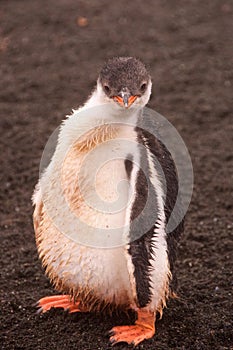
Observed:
{"x":39,"y":310}
{"x":110,"y":333}
{"x":112,"y":340}
{"x":107,"y":334}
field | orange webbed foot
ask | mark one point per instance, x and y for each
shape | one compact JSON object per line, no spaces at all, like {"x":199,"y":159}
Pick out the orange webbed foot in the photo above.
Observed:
{"x":58,"y":301}
{"x":144,"y":328}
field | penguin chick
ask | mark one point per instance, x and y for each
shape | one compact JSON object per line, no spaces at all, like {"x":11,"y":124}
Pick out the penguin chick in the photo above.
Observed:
{"x":138,"y":273}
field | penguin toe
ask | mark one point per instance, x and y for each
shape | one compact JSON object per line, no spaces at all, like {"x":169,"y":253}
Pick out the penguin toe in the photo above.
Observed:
{"x":57,"y":301}
{"x":134,"y":334}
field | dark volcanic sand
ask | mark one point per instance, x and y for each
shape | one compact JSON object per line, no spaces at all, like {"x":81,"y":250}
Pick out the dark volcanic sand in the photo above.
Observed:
{"x":48,"y":66}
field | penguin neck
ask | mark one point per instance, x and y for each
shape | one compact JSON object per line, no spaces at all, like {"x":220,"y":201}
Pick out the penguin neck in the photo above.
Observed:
{"x":117,"y":113}
{"x":99,"y":120}
{"x":116,"y":120}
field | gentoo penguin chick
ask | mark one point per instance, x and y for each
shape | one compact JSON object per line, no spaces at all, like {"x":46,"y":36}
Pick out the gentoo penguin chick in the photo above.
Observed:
{"x":138,"y":273}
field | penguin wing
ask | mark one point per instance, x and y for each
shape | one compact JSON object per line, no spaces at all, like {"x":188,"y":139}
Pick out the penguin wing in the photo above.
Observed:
{"x":164,"y":207}
{"x":167,"y":172}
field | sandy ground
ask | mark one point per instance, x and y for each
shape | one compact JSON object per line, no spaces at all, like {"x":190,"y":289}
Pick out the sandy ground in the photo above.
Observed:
{"x":49,"y":61}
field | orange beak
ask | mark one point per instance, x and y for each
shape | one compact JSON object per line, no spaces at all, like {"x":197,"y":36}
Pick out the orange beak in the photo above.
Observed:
{"x":125,"y":101}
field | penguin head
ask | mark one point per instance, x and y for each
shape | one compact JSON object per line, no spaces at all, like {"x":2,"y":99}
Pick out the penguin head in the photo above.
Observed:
{"x":125,"y":82}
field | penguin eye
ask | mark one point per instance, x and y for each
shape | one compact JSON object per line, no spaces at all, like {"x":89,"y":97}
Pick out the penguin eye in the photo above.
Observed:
{"x":143,"y":87}
{"x":107,"y":89}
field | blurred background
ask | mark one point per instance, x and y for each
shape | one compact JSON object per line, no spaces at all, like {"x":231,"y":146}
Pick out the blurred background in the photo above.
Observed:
{"x":50,"y":56}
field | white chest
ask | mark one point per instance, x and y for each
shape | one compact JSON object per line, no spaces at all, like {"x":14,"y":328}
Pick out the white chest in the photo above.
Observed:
{"x":91,"y":207}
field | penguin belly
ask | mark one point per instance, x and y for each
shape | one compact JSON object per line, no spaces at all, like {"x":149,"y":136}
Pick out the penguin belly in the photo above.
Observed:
{"x":90,"y":274}
{"x":98,"y":192}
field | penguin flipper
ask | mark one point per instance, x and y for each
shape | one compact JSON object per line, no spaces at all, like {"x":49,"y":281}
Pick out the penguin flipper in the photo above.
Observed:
{"x":144,"y":328}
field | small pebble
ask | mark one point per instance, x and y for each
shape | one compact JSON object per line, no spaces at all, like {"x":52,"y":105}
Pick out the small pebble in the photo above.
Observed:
{"x":82,"y":21}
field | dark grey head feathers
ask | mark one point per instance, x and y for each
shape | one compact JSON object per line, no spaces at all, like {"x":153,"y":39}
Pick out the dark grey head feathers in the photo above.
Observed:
{"x":124,"y":74}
